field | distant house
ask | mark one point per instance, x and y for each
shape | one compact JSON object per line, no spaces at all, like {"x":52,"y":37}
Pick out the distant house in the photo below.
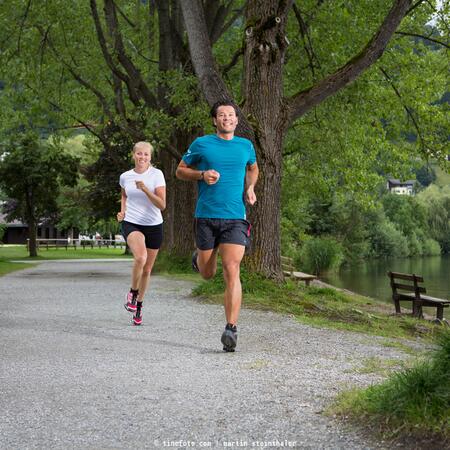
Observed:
{"x":401,"y":187}
{"x":17,"y":232}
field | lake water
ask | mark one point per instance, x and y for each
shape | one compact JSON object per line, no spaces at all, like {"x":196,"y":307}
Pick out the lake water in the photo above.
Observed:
{"x":370,"y":278}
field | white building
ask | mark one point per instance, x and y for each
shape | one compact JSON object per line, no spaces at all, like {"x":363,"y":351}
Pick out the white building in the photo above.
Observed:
{"x":401,"y":187}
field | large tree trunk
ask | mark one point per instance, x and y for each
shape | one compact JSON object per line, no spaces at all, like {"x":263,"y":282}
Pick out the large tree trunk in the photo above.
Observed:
{"x":181,"y":198}
{"x":263,"y":85}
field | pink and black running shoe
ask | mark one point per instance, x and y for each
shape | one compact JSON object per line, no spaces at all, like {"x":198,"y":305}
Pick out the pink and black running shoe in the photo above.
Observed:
{"x":137,"y":318}
{"x":130,"y":304}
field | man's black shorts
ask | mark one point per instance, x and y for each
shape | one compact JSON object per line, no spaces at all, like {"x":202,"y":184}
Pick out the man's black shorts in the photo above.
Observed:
{"x":209,"y":233}
{"x":153,"y":233}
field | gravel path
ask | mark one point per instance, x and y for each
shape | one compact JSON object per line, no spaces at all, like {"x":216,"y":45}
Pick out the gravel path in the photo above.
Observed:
{"x":74,"y":372}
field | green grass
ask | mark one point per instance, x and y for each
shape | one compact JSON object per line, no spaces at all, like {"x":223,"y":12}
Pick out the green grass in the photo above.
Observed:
{"x":8,"y":253}
{"x":379,"y":366}
{"x":8,"y":267}
{"x":16,"y":252}
{"x":321,"y":307}
{"x":404,"y":346}
{"x":165,"y":264}
{"x":413,"y":405}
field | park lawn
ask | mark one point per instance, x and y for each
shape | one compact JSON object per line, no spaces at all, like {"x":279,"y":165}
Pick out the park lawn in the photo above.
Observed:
{"x":8,"y":267}
{"x":10,"y":253}
{"x":16,"y":252}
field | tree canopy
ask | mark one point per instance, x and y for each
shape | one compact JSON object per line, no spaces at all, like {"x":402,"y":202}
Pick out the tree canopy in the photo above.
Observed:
{"x":129,"y":66}
{"x":31,"y":175}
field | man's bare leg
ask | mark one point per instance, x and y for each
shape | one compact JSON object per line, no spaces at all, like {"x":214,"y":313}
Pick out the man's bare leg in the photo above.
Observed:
{"x":232,"y":255}
{"x":207,"y":262}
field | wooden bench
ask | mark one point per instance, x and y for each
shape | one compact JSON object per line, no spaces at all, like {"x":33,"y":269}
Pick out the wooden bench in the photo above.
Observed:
{"x":287,"y":264}
{"x":415,"y":294}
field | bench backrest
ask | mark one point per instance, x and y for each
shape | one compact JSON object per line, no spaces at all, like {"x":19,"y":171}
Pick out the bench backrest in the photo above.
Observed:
{"x":408,"y":282}
{"x":287,"y":264}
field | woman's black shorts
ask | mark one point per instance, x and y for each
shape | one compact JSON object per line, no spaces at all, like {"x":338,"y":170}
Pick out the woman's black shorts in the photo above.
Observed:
{"x":153,"y":233}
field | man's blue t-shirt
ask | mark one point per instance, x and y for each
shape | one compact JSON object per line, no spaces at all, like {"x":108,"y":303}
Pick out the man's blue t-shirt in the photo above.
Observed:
{"x":225,"y":199}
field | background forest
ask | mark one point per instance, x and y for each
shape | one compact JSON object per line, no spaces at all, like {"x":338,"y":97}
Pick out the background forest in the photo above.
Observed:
{"x":81,"y":84}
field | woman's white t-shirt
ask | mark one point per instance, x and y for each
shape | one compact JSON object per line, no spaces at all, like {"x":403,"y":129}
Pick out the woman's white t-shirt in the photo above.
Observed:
{"x":139,"y":208}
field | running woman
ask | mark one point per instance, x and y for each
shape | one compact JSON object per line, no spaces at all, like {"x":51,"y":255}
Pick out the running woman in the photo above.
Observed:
{"x":143,"y":198}
{"x":224,"y":165}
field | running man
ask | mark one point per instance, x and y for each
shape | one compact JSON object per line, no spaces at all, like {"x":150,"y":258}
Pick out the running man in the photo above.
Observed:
{"x":226,"y":170}
{"x":143,"y":198}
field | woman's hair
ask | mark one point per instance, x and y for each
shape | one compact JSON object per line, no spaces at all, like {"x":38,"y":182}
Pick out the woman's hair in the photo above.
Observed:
{"x":143,"y":144}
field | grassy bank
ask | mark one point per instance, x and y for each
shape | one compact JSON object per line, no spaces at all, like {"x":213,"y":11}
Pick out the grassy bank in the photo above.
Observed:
{"x":323,"y":307}
{"x":412,"y":406}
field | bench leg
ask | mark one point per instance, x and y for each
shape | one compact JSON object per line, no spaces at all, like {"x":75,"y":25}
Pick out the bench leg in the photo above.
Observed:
{"x":307,"y":282}
{"x":417,"y":310}
{"x":440,"y":312}
{"x":397,"y":306}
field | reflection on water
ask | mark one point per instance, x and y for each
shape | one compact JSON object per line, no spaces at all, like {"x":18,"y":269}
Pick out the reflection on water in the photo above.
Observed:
{"x":370,"y":278}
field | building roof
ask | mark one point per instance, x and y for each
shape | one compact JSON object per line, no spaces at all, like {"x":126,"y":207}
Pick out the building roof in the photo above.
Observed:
{"x":14,"y":223}
{"x":394,"y":182}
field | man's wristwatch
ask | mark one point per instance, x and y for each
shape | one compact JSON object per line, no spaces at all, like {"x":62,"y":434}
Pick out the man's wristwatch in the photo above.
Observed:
{"x":202,"y":175}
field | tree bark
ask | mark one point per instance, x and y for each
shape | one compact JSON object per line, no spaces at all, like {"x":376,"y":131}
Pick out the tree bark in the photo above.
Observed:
{"x":181,"y":198}
{"x":264,"y":53}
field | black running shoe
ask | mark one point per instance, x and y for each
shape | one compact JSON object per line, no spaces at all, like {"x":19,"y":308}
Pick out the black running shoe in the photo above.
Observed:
{"x":194,"y":262}
{"x":229,"y":338}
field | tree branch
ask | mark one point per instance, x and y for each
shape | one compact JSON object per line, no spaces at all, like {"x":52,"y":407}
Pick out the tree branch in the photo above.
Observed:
{"x":303,"y":101}
{"x":230,"y":22}
{"x":122,"y":122}
{"x":173,"y":151}
{"x":233,"y":62}
{"x":406,"y":108}
{"x":133,"y":25}
{"x":307,"y":45}
{"x":22,"y":23}
{"x":108,"y":58}
{"x":135,"y":77}
{"x":211,"y":83}
{"x":427,"y":38}
{"x":201,"y":53}
{"x":410,"y":10}
{"x":74,"y":74}
{"x":59,"y":108}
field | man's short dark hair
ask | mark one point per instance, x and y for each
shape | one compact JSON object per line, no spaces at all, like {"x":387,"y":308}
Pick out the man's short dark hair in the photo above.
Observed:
{"x":216,"y":106}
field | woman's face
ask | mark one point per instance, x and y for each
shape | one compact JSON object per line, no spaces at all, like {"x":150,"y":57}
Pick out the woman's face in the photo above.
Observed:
{"x":142,"y":157}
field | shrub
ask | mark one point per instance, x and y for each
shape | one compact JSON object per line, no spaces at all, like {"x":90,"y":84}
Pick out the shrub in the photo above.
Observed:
{"x":320,"y":254}
{"x":386,"y":240}
{"x":414,"y":245}
{"x":431,"y":247}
